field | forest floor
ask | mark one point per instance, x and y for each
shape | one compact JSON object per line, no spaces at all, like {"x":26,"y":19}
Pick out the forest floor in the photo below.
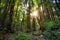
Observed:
{"x":14,"y":36}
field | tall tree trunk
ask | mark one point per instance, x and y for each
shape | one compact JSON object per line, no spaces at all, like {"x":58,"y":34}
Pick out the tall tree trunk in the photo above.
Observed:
{"x":33,"y":25}
{"x":11,"y":13}
{"x":5,"y":12}
{"x":28,"y":19}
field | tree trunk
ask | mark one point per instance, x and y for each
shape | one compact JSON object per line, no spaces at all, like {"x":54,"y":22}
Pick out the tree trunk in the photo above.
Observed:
{"x":4,"y":15}
{"x":28,"y":19}
{"x":11,"y":13}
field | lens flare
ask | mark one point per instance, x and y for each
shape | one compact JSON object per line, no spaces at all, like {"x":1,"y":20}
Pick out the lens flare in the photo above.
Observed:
{"x":34,"y":14}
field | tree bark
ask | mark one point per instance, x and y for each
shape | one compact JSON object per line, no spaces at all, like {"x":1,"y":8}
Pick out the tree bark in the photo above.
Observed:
{"x":28,"y":19}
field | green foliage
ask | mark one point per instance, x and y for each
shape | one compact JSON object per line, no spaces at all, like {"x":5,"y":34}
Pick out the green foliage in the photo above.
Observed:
{"x":23,"y":36}
{"x":50,"y":24}
{"x":56,"y":34}
{"x":46,"y":32}
{"x":31,"y":2}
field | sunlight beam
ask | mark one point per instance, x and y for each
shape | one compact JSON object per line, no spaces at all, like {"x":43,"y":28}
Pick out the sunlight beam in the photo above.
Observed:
{"x":34,"y":14}
{"x":41,"y":8}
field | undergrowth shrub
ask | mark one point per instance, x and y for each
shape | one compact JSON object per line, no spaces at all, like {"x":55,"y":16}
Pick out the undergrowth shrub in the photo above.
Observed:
{"x":23,"y":36}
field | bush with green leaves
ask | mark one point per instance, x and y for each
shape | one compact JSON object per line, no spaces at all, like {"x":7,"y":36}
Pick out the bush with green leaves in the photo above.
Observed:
{"x":56,"y":34}
{"x":49,"y":25}
{"x":23,"y":36}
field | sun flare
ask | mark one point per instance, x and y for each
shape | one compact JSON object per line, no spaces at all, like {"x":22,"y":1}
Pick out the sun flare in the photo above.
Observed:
{"x":34,"y":14}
